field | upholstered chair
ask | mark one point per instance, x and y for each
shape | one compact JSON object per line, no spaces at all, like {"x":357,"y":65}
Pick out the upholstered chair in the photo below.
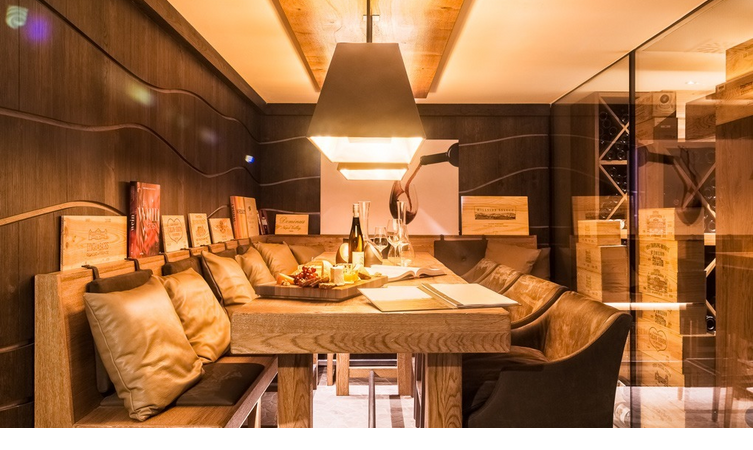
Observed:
{"x":500,"y":278}
{"x":535,"y":296}
{"x":561,"y":371}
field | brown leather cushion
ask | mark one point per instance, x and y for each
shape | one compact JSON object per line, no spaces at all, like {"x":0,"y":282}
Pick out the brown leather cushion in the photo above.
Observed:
{"x":542,"y":267}
{"x":228,"y":253}
{"x":206,"y":324}
{"x":481,"y":371}
{"x":480,"y":271}
{"x":572,"y":323}
{"x":306,"y":253}
{"x":500,"y":279}
{"x":278,"y":258}
{"x":460,"y":255}
{"x":231,"y":282}
{"x":123,"y":282}
{"x":534,"y":296}
{"x":199,"y":266}
{"x":223,"y":384}
{"x":519,"y":258}
{"x":143,"y":347}
{"x":254,"y":267}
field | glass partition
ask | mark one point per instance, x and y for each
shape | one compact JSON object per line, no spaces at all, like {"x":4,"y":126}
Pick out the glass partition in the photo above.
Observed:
{"x":652,"y":209}
{"x":694,"y":131}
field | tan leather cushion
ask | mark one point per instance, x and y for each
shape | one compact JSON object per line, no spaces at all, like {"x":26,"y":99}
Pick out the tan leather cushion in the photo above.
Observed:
{"x":500,"y":279}
{"x":231,"y":281}
{"x":532,"y":294}
{"x":306,"y":253}
{"x":480,"y":271}
{"x":278,"y":257}
{"x":519,"y":258}
{"x":204,"y":321}
{"x":254,"y":267}
{"x":143,"y":347}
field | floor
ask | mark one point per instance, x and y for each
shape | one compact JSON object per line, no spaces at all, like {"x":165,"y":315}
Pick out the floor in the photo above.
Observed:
{"x":331,"y":411}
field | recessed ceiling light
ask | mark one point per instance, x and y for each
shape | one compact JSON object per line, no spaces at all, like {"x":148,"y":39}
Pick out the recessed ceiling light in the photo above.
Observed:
{"x":691,"y":82}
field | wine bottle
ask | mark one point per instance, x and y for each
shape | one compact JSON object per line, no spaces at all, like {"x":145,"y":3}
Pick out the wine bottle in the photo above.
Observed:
{"x":355,"y":239}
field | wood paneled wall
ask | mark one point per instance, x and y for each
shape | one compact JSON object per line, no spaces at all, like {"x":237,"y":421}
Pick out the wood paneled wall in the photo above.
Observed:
{"x":504,"y":151}
{"x":94,"y":95}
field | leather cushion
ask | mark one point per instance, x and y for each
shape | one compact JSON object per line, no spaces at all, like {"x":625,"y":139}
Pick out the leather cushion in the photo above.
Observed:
{"x":532,"y":294}
{"x":254,"y":267}
{"x":460,"y":255}
{"x":481,"y":372}
{"x":519,"y":258}
{"x":143,"y":347}
{"x":206,"y":324}
{"x":228,"y":253}
{"x":278,"y":258}
{"x":231,"y":282}
{"x":542,"y":267}
{"x":306,"y":253}
{"x":123,"y":282}
{"x":500,"y":279}
{"x":572,"y":323}
{"x":223,"y":384}
{"x":480,"y":271}
{"x":198,"y":265}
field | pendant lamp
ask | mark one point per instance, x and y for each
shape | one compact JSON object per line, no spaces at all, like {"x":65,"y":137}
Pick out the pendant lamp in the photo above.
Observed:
{"x":366,"y":119}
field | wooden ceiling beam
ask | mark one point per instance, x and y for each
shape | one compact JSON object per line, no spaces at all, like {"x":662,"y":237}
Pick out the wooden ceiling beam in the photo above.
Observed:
{"x":421,"y":27}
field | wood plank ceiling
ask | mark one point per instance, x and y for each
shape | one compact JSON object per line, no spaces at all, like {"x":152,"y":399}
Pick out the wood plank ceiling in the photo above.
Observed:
{"x":421,"y":27}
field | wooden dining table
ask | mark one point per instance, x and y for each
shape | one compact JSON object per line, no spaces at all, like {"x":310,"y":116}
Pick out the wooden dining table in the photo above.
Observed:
{"x":297,"y":329}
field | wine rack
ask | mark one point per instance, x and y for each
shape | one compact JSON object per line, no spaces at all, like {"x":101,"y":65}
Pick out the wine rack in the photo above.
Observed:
{"x":612,"y":154}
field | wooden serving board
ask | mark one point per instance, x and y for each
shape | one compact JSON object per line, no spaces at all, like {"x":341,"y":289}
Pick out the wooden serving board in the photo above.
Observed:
{"x":336,"y":294}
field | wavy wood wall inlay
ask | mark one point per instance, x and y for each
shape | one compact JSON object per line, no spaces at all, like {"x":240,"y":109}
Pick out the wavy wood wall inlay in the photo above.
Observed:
{"x":122,"y":126}
{"x":51,"y":209}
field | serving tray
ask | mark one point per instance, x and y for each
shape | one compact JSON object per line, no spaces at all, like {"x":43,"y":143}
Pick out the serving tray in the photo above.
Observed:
{"x":336,"y":294}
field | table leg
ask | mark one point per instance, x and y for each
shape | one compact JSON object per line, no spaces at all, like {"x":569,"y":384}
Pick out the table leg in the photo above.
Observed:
{"x":295,"y":399}
{"x":342,"y":374}
{"x":443,"y":386}
{"x":405,"y":374}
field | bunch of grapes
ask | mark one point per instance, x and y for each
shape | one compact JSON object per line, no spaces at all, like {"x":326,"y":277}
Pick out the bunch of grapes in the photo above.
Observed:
{"x":306,"y":273}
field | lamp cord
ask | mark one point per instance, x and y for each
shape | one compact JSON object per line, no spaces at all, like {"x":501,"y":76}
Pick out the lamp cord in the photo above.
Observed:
{"x":368,"y":22}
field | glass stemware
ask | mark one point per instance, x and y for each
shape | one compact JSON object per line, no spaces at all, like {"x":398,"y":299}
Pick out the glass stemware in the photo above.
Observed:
{"x":380,"y":239}
{"x":406,"y":252}
{"x":394,"y":233}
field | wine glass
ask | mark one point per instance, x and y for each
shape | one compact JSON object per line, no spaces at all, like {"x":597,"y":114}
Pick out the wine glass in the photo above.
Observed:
{"x":394,"y":233}
{"x":380,"y":238}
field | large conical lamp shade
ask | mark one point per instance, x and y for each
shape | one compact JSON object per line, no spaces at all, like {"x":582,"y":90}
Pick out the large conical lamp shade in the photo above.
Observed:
{"x":366,"y":112}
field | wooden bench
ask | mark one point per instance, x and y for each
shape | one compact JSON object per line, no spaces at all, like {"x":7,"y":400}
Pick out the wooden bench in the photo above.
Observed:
{"x":66,"y":393}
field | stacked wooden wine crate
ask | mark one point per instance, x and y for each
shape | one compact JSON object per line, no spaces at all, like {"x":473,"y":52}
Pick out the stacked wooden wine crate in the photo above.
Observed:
{"x":671,"y":340}
{"x":602,"y":261}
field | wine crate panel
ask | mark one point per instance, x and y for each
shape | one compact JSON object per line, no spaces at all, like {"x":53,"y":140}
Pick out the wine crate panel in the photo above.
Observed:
{"x":199,"y":226}
{"x":665,"y":345}
{"x":671,"y":256}
{"x":680,"y":319}
{"x":292,"y":224}
{"x":667,"y":223}
{"x":174,"y":234}
{"x":651,"y":372}
{"x":664,"y":129}
{"x":687,"y":287}
{"x":739,"y":60}
{"x":605,"y":287}
{"x":221,"y":230}
{"x":90,"y":240}
{"x":651,"y":105}
{"x":597,"y":208}
{"x":600,"y":232}
{"x":734,"y":99}
{"x":700,"y":119}
{"x":494,"y":215}
{"x":606,"y":259}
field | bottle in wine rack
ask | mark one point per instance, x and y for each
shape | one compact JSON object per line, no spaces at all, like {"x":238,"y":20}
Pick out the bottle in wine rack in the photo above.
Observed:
{"x":355,"y":239}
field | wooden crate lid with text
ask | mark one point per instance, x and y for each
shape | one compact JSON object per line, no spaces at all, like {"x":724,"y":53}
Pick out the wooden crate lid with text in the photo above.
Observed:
{"x":292,"y":224}
{"x":607,"y":287}
{"x":600,"y":232}
{"x":671,"y":224}
{"x":89,"y":240}
{"x":494,"y":215}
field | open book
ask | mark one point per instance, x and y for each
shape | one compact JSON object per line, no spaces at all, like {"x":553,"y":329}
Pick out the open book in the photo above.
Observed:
{"x":435,"y":296}
{"x":395,"y":273}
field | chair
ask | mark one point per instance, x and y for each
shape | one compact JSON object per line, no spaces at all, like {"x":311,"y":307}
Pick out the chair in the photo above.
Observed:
{"x":534,"y":294}
{"x":561,"y":371}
